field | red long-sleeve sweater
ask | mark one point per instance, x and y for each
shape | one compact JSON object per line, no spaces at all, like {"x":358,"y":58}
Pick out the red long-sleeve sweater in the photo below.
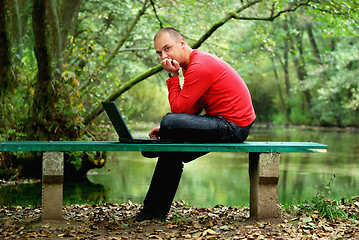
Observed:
{"x":213,"y":85}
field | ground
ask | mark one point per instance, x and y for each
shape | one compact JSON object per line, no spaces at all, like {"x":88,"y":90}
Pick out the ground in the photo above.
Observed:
{"x":112,"y":221}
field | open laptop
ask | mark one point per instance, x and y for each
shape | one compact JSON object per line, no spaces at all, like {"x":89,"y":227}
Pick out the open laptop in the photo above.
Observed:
{"x":121,"y":127}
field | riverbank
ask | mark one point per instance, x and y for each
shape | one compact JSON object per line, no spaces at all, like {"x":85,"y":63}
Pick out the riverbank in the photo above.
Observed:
{"x":4,"y":183}
{"x":111,"y":221}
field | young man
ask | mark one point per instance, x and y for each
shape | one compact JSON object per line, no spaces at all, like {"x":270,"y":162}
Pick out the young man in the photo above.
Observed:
{"x":211,"y":87}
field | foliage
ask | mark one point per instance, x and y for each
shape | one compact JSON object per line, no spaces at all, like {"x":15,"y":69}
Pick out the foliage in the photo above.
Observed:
{"x":337,"y":100}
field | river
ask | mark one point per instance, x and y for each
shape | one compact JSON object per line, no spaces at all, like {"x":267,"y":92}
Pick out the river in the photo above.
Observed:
{"x":220,"y":178}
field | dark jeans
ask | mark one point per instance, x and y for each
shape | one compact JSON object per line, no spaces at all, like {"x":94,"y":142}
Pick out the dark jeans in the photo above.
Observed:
{"x":182,"y":127}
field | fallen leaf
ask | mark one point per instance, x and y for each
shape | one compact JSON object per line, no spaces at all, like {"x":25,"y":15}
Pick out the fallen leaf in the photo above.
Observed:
{"x":196,"y":225}
{"x":209,"y":232}
{"x":306,"y":219}
{"x":225,"y":228}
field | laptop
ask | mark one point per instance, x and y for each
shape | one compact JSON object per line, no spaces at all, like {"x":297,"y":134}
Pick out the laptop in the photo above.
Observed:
{"x":121,"y":127}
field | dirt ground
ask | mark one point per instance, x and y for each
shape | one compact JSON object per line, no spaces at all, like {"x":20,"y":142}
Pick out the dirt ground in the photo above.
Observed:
{"x":112,"y":221}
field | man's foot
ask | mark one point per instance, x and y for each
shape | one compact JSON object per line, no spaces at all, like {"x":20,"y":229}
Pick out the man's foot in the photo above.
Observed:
{"x":142,"y":216}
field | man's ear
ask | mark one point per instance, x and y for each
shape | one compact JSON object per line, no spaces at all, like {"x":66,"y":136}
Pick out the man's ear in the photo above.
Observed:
{"x":182,"y":42}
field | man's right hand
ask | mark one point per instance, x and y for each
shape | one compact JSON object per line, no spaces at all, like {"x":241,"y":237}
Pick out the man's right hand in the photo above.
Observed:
{"x":170,"y":65}
{"x":154,"y":133}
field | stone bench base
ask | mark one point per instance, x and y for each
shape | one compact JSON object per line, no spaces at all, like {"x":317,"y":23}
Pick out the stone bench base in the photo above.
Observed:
{"x":264,"y":176}
{"x":52,"y":186}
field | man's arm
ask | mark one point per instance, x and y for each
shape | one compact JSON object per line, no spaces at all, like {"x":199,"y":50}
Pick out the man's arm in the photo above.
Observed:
{"x":173,"y":67}
{"x":189,"y":105}
{"x":196,"y":83}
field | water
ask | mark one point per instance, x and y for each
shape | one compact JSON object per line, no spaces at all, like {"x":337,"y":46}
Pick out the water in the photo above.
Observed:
{"x":220,"y":178}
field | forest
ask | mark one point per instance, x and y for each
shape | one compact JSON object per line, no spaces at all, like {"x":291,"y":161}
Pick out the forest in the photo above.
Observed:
{"x":59,"y":59}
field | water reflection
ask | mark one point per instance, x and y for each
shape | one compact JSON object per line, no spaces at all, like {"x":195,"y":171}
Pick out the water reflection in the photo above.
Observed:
{"x":74,"y":192}
{"x":220,"y":178}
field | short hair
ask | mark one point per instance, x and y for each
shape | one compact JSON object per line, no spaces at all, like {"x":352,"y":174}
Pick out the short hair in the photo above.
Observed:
{"x":171,"y":31}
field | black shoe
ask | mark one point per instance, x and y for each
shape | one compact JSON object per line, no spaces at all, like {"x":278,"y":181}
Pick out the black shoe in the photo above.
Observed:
{"x":142,"y":216}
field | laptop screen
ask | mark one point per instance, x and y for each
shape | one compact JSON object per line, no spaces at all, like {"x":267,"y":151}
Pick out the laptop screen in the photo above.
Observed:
{"x":117,"y":120}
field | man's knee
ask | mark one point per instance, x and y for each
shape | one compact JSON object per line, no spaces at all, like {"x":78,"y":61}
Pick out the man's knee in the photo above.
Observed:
{"x":175,"y":126}
{"x":168,"y":119}
{"x":168,"y":123}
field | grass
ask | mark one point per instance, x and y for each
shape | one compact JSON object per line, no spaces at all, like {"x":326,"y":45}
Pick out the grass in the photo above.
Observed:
{"x":321,"y":206}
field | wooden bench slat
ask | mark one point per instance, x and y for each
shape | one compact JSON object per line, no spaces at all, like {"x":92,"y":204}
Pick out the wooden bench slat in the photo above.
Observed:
{"x":64,"y":146}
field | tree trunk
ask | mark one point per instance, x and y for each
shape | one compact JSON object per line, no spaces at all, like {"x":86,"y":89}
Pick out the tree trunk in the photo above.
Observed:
{"x":333,"y":44}
{"x":6,"y":79}
{"x":313,"y":43}
{"x":302,"y":72}
{"x":25,"y":10}
{"x":43,"y":104}
{"x":286,"y":68}
{"x":299,"y":64}
{"x":55,"y":37}
{"x":280,"y":92}
{"x":286,"y":59}
{"x":15,"y":29}
{"x":67,"y":12}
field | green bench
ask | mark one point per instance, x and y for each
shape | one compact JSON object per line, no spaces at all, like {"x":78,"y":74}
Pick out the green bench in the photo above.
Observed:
{"x":264,"y":161}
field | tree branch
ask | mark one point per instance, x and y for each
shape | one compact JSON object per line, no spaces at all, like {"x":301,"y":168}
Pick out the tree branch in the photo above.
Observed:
{"x":156,"y":15}
{"x":121,"y":90}
{"x":126,"y":35}
{"x":217,"y":25}
{"x":274,"y":16}
{"x":338,"y":10}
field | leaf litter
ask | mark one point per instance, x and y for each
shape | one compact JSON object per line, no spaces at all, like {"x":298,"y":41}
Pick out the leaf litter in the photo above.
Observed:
{"x":113,"y":221}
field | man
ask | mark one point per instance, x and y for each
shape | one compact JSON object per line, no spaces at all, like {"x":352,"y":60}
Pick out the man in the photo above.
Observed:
{"x":211,"y":87}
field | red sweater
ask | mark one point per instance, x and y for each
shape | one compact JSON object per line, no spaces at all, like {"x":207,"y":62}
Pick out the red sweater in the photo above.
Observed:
{"x":212,"y":85}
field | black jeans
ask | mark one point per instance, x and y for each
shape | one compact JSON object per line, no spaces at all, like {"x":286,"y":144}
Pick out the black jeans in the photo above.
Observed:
{"x":182,"y":127}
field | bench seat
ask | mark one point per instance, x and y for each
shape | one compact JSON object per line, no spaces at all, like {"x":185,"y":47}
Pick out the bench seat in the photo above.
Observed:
{"x":264,"y":161}
{"x":67,"y":146}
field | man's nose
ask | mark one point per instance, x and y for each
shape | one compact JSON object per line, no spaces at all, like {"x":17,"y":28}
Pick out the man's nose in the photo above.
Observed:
{"x":164,"y":56}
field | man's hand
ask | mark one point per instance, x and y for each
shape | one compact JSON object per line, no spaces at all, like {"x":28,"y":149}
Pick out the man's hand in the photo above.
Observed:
{"x":154,"y":133}
{"x":170,"y":65}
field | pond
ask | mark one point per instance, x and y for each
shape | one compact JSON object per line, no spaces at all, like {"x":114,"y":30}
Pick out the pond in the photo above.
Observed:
{"x":220,"y":178}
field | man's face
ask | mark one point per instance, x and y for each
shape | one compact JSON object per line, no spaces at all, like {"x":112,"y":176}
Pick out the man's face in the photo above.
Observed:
{"x":169,"y":47}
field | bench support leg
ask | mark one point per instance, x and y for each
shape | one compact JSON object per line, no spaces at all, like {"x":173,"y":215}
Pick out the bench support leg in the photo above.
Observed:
{"x":264,"y":175}
{"x":52,"y":186}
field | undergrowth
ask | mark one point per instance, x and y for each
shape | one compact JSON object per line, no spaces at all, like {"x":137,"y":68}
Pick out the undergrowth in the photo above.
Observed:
{"x":321,"y":205}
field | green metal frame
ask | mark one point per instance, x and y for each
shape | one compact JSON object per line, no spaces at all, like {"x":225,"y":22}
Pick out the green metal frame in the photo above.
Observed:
{"x":66,"y":146}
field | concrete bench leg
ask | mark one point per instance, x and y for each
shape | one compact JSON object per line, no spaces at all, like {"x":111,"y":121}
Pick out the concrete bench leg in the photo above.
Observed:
{"x":52,"y":186}
{"x":264,"y":175}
